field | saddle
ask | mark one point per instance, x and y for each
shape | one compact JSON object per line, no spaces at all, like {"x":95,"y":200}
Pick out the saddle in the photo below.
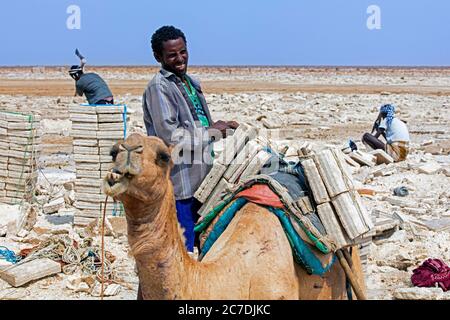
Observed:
{"x":281,"y":191}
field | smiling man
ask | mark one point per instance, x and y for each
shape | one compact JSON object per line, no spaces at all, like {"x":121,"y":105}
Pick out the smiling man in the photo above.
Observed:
{"x":176,"y":111}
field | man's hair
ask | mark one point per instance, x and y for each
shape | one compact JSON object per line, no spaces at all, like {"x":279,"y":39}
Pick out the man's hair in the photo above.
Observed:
{"x":164,"y":34}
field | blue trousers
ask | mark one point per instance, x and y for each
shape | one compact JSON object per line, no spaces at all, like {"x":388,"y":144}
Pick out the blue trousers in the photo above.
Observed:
{"x":187,"y":217}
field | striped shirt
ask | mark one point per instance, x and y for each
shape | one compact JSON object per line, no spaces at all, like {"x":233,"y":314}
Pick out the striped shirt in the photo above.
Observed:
{"x":170,"y":115}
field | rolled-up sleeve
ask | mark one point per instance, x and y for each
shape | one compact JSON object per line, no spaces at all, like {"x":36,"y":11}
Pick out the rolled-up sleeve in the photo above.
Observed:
{"x":161,"y":116}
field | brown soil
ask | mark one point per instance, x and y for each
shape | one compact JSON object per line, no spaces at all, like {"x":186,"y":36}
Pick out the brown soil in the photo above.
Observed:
{"x":136,"y":87}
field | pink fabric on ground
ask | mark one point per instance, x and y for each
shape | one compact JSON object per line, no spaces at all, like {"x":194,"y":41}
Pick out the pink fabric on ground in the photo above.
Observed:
{"x":430,"y":273}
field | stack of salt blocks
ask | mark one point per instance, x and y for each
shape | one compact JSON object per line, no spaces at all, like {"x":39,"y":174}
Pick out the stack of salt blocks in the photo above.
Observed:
{"x":95,"y":129}
{"x":20,"y":139}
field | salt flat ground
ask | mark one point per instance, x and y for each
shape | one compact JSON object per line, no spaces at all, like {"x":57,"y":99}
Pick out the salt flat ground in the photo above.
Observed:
{"x":320,"y":105}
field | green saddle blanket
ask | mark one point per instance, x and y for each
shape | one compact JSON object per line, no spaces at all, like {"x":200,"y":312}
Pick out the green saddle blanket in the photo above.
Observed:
{"x":302,"y":251}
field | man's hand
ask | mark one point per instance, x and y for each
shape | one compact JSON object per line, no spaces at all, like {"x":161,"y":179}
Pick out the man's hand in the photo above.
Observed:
{"x":233,"y":124}
{"x":380,"y":131}
{"x":225,"y":126}
{"x":222,"y":126}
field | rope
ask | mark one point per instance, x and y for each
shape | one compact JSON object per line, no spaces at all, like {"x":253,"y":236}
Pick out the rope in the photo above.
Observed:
{"x":83,"y":256}
{"x":8,"y":255}
{"x":103,"y":249}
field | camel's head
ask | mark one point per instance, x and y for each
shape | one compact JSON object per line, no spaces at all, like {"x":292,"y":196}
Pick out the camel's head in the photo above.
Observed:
{"x":140,"y":171}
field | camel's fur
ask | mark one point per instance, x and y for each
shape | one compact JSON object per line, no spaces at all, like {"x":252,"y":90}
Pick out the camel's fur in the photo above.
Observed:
{"x":251,"y":260}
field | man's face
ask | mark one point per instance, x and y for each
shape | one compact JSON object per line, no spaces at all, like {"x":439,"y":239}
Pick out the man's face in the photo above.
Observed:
{"x":174,"y":57}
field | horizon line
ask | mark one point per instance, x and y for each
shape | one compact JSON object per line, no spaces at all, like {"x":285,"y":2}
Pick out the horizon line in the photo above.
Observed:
{"x":243,"y":66}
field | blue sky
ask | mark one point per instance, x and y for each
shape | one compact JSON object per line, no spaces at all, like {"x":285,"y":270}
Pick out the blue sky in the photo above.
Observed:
{"x":232,"y":32}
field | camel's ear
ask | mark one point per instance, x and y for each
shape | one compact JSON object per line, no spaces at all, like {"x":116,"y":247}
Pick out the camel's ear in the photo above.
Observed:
{"x":115,"y":150}
{"x":162,"y":158}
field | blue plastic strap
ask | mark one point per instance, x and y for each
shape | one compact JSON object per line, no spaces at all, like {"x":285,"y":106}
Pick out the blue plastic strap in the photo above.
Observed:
{"x":124,"y":115}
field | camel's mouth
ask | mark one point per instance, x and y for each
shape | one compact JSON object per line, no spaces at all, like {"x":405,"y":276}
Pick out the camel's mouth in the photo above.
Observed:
{"x":116,"y":182}
{"x":126,"y":166}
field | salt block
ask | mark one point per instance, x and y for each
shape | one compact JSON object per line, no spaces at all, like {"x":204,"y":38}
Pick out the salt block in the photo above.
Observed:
{"x":332,"y":226}
{"x":17,"y":117}
{"x":214,"y":198}
{"x":255,"y":165}
{"x":115,"y":126}
{"x":315,"y":181}
{"x":362,"y":158}
{"x":363,"y":213}
{"x":117,"y":134}
{"x":83,"y":134}
{"x":234,"y":144}
{"x":115,"y":117}
{"x":430,"y":168}
{"x":110,"y":109}
{"x":349,"y":215}
{"x":77,"y":109}
{"x":84,"y":126}
{"x":54,"y":206}
{"x":400,"y":202}
{"x":382,"y":156}
{"x":21,"y":274}
{"x":112,"y":290}
{"x":330,"y":172}
{"x":210,"y":182}
{"x":88,"y":166}
{"x":438,"y":225}
{"x":86,"y":158}
{"x":242,"y":160}
{"x":80,"y":117}
{"x":85,"y":150}
{"x":419,"y":294}
{"x":350,"y":161}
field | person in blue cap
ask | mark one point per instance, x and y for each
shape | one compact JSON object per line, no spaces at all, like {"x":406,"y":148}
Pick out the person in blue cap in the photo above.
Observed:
{"x":394,"y":131}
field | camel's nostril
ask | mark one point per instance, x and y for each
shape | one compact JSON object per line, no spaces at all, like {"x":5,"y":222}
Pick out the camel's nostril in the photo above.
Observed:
{"x":111,"y":182}
{"x":117,"y":171}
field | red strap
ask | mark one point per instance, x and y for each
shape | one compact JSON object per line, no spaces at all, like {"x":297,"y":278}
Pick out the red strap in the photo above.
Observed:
{"x":261,"y":194}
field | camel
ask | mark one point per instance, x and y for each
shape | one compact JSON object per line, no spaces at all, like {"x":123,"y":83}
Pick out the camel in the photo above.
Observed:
{"x":252,"y":260}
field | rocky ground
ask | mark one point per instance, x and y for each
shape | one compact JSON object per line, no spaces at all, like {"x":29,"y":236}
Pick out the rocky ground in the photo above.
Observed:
{"x":322,"y":106}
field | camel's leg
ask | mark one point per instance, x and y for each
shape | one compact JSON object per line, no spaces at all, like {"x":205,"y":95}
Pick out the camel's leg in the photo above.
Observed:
{"x":332,"y":285}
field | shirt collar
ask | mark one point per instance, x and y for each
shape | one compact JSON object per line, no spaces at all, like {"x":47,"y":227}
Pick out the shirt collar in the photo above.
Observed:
{"x":167,"y":74}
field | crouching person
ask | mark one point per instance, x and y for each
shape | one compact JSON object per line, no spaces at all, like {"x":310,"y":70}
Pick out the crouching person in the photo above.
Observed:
{"x":394,"y":131}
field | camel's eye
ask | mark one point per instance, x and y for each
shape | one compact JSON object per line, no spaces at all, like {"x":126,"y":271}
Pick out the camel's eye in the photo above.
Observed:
{"x":115,"y":150}
{"x":139,"y":150}
{"x":162,"y":158}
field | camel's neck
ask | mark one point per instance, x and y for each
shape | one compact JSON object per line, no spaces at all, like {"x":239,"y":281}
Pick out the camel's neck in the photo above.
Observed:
{"x":158,"y":248}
